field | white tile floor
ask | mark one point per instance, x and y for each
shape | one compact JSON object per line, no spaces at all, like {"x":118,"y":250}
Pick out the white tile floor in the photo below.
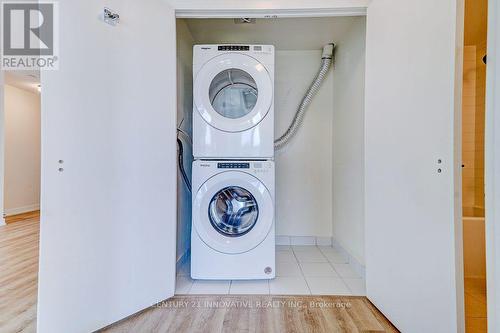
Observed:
{"x":300,"y":270}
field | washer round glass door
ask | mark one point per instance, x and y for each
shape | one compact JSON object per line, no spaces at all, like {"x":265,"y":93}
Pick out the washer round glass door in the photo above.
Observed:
{"x":233,"y":212}
{"x":233,"y":92}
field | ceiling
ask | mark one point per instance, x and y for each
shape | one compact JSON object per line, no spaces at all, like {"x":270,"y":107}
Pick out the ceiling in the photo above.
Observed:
{"x":283,"y":33}
{"x":26,"y":80}
{"x":220,"y":6}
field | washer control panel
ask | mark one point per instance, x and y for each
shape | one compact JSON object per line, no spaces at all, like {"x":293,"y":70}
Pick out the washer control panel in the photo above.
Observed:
{"x":233,"y":165}
{"x":261,"y":167}
{"x":233,"y":48}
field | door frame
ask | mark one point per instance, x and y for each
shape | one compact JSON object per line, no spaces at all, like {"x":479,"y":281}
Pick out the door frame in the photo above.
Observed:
{"x":492,"y":168}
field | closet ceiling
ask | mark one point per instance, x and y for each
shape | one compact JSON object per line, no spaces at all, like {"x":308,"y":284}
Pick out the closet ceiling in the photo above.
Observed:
{"x":283,"y":33}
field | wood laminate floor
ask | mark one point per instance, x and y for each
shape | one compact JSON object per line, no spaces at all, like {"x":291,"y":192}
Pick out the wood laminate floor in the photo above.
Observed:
{"x":258,"y":314}
{"x":18,"y":275}
{"x":23,"y":217}
{"x":215,"y":313}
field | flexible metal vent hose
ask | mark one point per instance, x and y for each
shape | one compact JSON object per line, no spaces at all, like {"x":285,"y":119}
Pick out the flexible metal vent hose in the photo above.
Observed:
{"x":326,"y":62}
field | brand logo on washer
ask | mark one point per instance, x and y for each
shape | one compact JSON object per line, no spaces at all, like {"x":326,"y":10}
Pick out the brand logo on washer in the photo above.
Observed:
{"x":205,"y":165}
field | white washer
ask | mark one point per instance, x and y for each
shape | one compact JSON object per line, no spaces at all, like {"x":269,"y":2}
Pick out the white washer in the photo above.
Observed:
{"x":233,"y":101}
{"x":232,"y":235}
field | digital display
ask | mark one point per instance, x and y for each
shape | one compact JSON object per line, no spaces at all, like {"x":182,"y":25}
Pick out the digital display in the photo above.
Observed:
{"x":230,"y":165}
{"x":234,"y":48}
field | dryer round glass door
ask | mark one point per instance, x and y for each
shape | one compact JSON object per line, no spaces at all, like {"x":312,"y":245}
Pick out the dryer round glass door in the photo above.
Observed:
{"x":233,"y":92}
{"x":233,"y":212}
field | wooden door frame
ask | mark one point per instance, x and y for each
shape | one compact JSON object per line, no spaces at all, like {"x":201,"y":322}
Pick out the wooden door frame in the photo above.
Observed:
{"x":492,"y":168}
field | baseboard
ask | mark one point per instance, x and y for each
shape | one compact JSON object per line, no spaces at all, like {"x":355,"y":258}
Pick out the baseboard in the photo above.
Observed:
{"x":21,"y":210}
{"x":323,"y":241}
{"x":355,"y":264}
{"x":303,"y":240}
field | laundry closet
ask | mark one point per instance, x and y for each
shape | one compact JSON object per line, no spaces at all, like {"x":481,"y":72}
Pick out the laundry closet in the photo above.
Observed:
{"x":319,"y":191}
{"x":372,"y":171}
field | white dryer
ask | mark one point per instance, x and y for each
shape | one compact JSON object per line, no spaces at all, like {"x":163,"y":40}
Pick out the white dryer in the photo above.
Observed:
{"x":233,"y":101}
{"x":232,"y":236}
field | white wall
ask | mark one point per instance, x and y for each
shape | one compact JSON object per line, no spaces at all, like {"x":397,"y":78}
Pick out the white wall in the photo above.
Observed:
{"x":184,"y":118}
{"x":348,"y":141}
{"x":22,"y":151}
{"x":304,"y":168}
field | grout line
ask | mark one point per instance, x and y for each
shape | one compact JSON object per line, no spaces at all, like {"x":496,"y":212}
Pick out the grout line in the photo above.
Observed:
{"x":348,"y":288}
{"x":297,"y":262}
{"x":190,"y":286}
{"x":333,"y":267}
{"x":342,"y":279}
{"x":301,"y":271}
{"x":325,"y":257}
{"x":358,"y":278}
{"x":338,"y":274}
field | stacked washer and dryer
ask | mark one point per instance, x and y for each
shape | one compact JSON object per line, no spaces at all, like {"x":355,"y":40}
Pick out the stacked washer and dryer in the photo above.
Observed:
{"x":232,"y":235}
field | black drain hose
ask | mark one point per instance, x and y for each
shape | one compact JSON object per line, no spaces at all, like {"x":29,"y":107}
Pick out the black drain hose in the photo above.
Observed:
{"x":181,"y":164}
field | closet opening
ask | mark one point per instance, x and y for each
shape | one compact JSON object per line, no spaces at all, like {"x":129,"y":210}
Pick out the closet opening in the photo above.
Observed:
{"x":319,"y":175}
